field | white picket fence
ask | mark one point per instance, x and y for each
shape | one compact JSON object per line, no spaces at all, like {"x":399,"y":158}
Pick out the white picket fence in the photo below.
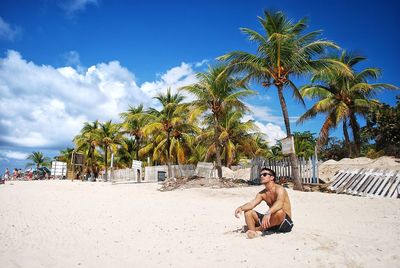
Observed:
{"x":367,"y":182}
{"x":308,"y":169}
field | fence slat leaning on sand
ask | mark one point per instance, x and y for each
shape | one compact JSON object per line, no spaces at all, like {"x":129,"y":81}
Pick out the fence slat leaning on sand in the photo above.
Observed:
{"x":368,"y":182}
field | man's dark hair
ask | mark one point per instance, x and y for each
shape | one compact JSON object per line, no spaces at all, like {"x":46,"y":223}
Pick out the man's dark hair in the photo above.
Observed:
{"x":269,"y":170}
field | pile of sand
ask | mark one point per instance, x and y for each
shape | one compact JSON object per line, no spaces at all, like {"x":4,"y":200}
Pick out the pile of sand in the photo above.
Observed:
{"x":198,"y":182}
{"x":328,"y":169}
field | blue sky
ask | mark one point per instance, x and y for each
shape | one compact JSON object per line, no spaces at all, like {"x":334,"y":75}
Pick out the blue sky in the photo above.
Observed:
{"x":66,"y":62}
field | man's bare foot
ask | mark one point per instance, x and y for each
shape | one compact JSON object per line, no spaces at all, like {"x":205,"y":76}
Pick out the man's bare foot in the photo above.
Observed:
{"x":251,"y":234}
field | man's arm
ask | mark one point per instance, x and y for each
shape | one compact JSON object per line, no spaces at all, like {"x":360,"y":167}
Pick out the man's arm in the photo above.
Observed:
{"x":248,"y":206}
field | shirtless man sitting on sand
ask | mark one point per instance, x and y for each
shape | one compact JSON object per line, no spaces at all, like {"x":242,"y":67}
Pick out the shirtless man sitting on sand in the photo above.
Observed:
{"x":277,"y":218}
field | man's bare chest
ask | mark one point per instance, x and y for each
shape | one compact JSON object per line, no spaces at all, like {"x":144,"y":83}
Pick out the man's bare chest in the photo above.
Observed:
{"x":269,"y":198}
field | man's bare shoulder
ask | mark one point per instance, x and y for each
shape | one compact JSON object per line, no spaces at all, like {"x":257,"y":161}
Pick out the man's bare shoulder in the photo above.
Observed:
{"x":281,"y":190}
{"x":262,"y":194}
{"x":263,"y":191}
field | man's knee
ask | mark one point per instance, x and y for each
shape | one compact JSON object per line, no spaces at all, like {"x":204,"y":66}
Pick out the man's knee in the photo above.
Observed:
{"x":248,"y":213}
{"x":280,"y":214}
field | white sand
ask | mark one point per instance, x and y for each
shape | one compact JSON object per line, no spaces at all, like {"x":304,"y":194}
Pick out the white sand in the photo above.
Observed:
{"x":82,"y":224}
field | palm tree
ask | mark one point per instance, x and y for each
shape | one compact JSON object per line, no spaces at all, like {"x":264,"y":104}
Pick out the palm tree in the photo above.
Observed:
{"x":127,"y":153}
{"x":216,"y":92}
{"x":134,"y":122}
{"x":169,"y":128}
{"x":304,"y":144}
{"x":38,"y":159}
{"x":66,"y":156}
{"x":283,"y":52}
{"x":198,"y":153}
{"x":88,"y":140}
{"x":343,"y":97}
{"x":235,"y":133}
{"x":276,"y":151}
{"x":254,"y":146}
{"x":109,"y":137}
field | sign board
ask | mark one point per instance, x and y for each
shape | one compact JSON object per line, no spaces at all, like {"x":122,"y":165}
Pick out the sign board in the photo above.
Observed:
{"x":58,"y":168}
{"x":78,"y":159}
{"x":288,"y":145}
{"x":137,"y":164}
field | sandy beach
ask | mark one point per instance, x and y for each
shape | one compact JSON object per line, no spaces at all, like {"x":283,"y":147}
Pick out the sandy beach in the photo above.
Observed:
{"x":83,"y":224}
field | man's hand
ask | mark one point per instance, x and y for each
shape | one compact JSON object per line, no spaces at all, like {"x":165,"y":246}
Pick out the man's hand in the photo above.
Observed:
{"x":238,"y":211}
{"x":265,"y":221}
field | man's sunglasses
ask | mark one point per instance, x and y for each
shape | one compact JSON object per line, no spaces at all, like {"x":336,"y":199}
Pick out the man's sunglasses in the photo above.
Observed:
{"x":265,"y":174}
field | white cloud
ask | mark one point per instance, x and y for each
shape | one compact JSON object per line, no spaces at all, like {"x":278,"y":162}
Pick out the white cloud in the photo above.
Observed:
{"x":72,"y":6}
{"x":272,"y":133}
{"x":200,"y":63}
{"x":8,"y":32}
{"x":174,"y":78}
{"x":45,"y":107}
{"x":13,"y":155}
{"x":265,"y":114}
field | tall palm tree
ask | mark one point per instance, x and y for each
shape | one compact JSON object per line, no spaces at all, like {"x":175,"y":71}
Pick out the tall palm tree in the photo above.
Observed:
{"x":343,"y":97}
{"x":109,"y":137}
{"x":217,"y":91}
{"x":88,"y":140}
{"x":134,"y":122}
{"x":283,"y":52}
{"x":169,"y":128}
{"x":38,"y":159}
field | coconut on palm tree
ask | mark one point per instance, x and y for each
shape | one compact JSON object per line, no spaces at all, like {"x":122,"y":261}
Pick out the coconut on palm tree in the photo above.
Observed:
{"x":284,"y":51}
{"x":342,"y":98}
{"x":215,"y":93}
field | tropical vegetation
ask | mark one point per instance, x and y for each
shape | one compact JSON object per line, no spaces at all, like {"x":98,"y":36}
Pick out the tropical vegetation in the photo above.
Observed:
{"x":343,"y":96}
{"x":212,"y":125}
{"x":38,"y":160}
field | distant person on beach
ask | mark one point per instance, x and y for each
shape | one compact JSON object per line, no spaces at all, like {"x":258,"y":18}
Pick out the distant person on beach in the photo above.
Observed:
{"x":15,"y":174}
{"x":277,"y":218}
{"x":7,"y":174}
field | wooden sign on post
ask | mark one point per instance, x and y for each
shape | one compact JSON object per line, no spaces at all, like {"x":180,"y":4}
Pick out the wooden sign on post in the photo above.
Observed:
{"x":78,"y":159}
{"x":288,"y":145}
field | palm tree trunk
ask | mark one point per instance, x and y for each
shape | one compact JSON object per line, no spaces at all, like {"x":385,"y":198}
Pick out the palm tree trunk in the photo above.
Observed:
{"x":356,"y":134}
{"x":292,"y":156}
{"x":218,"y":165}
{"x":347,"y":139}
{"x":284,"y":110}
{"x":137,"y":147}
{"x":105,"y":163}
{"x":92,"y":158}
{"x":168,"y":155}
